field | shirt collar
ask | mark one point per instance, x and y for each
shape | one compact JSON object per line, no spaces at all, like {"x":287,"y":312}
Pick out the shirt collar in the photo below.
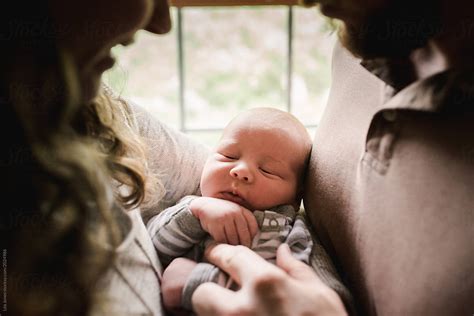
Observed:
{"x":449,"y":90}
{"x":397,"y":73}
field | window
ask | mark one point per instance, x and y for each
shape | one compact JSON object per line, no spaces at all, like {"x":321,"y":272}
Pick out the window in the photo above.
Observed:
{"x":219,"y":61}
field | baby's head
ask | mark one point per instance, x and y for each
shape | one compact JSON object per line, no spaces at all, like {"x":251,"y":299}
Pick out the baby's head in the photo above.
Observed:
{"x":260,"y":160}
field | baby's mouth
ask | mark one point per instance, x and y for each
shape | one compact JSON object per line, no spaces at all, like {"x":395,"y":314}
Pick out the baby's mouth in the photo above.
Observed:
{"x":233,"y":197}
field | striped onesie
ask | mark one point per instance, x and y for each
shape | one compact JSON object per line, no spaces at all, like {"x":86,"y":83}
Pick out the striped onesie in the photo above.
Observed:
{"x":176,"y":232}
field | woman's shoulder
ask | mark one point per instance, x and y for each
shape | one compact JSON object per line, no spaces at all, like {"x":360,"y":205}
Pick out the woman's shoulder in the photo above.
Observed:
{"x":132,"y":285}
{"x":174,"y":158}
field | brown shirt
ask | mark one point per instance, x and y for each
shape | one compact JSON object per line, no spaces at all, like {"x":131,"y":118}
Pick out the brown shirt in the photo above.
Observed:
{"x":390,"y":189}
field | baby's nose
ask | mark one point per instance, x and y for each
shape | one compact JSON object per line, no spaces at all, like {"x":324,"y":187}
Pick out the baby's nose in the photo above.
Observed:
{"x":242,"y":173}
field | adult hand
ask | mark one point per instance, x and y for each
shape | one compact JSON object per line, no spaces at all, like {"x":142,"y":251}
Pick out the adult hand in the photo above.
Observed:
{"x":290,"y":288}
{"x":226,"y":221}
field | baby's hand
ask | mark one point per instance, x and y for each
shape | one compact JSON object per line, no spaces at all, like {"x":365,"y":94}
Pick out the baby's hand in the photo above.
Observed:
{"x":173,"y":282}
{"x":227,"y":222}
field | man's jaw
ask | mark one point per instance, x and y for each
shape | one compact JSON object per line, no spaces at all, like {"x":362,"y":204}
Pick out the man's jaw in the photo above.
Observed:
{"x":391,"y":32}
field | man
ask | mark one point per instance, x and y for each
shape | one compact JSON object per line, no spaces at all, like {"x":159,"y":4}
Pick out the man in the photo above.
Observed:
{"x":390,"y":190}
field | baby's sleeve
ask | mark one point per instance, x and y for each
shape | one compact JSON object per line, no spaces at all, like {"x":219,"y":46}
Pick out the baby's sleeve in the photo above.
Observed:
{"x":299,"y":240}
{"x":175,"y":231}
{"x":202,"y":273}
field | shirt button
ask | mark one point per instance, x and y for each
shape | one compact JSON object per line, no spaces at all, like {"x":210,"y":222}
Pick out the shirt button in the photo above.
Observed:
{"x":390,"y":115}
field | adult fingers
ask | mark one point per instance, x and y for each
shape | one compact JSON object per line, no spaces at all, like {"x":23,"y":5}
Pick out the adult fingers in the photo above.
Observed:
{"x":251,"y":222}
{"x":243,"y":231}
{"x":293,"y":266}
{"x":326,"y":300}
{"x":242,"y":264}
{"x":231,"y":232}
{"x":209,"y":297}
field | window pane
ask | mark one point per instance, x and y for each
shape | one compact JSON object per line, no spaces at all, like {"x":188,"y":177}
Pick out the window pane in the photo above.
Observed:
{"x":311,"y":131}
{"x":147,"y":74}
{"x":209,"y":138}
{"x":312,"y":49}
{"x":235,"y":60}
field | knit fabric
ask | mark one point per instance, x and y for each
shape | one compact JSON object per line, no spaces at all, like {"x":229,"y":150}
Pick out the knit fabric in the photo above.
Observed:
{"x":176,"y":232}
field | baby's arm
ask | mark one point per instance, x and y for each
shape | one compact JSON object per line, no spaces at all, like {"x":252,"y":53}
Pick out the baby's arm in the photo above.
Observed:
{"x":299,"y":240}
{"x":181,"y":279}
{"x":178,"y":228}
{"x":174,"y":279}
{"x":175,"y":231}
{"x":225,"y":221}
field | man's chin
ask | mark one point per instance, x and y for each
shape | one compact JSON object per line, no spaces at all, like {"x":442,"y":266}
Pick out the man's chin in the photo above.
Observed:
{"x":390,"y":33}
{"x":376,"y":45}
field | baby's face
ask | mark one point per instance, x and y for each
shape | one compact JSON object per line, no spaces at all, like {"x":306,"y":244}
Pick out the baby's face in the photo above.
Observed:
{"x":256,"y":167}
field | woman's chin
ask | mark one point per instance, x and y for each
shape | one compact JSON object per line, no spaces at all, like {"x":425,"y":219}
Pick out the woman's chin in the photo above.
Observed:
{"x":90,"y":88}
{"x":92,"y":79}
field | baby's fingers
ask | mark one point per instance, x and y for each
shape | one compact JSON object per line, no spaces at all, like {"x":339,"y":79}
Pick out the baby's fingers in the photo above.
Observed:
{"x":231,"y":233}
{"x":217,"y":232}
{"x":251,"y":222}
{"x":243,"y":231}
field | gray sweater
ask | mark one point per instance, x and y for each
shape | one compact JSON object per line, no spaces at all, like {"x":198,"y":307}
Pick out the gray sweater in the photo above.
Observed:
{"x":176,"y":232}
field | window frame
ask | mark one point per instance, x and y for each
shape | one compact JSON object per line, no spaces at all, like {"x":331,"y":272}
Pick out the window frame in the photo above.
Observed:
{"x":226,"y":3}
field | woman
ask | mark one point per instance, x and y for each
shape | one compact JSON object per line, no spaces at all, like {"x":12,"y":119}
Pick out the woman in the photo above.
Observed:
{"x":72,"y":164}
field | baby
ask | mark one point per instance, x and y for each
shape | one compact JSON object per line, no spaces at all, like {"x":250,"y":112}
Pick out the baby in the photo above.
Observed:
{"x":251,"y":189}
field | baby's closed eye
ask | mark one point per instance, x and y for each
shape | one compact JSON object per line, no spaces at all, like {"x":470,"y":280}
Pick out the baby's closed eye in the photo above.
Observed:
{"x":228,"y":156}
{"x":270,"y":172}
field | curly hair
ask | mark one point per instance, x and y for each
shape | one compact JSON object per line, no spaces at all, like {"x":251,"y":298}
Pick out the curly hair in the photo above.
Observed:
{"x":109,"y":121}
{"x":58,"y":163}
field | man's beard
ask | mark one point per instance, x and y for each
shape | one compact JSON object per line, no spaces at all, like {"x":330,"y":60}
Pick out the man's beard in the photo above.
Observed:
{"x":395,"y":31}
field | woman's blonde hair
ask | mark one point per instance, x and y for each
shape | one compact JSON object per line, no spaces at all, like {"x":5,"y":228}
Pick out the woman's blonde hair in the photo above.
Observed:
{"x":110,"y":121}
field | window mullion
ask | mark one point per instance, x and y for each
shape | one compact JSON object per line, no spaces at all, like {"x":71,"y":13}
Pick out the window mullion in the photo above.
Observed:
{"x":289,"y":58}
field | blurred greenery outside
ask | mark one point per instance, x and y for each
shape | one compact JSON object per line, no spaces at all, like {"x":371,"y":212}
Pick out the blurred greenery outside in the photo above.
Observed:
{"x":235,"y":58}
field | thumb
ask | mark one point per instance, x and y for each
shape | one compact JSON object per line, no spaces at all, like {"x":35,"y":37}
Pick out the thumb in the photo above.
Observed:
{"x":295,"y":268}
{"x":208,"y":299}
